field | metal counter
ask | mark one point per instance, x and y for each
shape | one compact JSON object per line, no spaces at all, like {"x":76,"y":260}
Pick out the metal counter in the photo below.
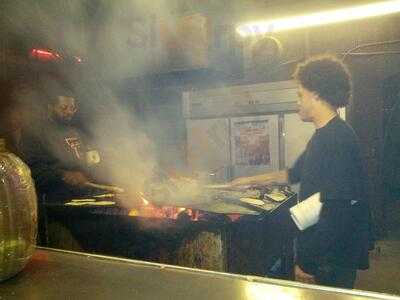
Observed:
{"x":56,"y":274}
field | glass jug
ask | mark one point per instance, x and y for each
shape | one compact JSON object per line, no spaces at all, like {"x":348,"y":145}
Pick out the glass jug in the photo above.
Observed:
{"x":18,"y":214}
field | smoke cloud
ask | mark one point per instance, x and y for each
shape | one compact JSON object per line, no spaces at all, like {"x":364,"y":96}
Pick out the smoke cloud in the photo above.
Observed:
{"x":116,"y":40}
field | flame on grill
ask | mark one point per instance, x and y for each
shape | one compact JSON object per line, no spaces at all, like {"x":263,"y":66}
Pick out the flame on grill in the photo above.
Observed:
{"x":148,"y":210}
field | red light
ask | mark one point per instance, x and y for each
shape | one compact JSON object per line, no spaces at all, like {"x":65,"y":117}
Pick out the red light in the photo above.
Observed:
{"x":44,"y":55}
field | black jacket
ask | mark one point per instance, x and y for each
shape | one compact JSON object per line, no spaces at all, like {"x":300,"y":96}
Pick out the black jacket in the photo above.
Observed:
{"x":332,"y":164}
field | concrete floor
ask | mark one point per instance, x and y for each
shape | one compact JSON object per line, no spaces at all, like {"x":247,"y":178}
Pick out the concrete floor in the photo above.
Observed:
{"x":384,"y":272}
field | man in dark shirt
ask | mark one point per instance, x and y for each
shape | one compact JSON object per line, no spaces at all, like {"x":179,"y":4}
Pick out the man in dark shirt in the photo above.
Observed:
{"x":54,"y":150}
{"x":331,"y":251}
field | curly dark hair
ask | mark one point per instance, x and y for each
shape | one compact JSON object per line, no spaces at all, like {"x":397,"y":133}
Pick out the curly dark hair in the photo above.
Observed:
{"x":328,"y":77}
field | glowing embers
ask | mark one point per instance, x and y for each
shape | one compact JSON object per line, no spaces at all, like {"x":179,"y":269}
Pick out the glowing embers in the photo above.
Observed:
{"x":148,"y":210}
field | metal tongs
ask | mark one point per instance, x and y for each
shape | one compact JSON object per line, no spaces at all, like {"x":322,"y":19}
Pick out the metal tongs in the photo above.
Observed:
{"x":226,"y":186}
{"x":110,"y":188}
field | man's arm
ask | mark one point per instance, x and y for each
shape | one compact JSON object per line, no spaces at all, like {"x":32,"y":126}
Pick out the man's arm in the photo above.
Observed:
{"x":74,"y":178}
{"x":291,"y":175}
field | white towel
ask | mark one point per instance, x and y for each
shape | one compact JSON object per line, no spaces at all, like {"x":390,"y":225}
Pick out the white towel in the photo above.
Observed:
{"x":306,"y":213}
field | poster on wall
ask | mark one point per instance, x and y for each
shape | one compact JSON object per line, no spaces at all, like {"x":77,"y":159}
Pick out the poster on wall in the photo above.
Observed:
{"x":255,"y":143}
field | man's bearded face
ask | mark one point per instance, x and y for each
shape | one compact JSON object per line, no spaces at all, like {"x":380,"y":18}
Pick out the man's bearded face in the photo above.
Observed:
{"x":64,"y":109}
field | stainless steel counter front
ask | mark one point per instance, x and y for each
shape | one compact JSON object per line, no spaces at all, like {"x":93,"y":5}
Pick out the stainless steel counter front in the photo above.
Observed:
{"x":55,"y":274}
